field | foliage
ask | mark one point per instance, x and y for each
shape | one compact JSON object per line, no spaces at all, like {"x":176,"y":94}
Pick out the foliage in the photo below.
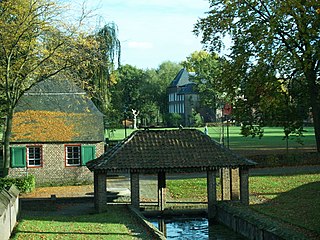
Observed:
{"x":37,"y":42}
{"x":159,"y":80}
{"x":126,"y":93}
{"x":208,"y":73}
{"x":101,"y":75}
{"x":274,"y":62}
{"x":46,"y":126}
{"x":173,"y":119}
{"x":142,"y":90}
{"x":117,"y":223}
{"x":196,"y":119}
{"x":24,"y":184}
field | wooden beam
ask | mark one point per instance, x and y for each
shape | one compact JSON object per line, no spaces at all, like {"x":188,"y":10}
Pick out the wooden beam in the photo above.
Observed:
{"x":225,"y":184}
{"x":235,"y":194}
{"x":244,"y":186}
{"x":135,"y":190}
{"x":100,"y":191}
{"x":212,"y":194}
{"x":161,"y":190}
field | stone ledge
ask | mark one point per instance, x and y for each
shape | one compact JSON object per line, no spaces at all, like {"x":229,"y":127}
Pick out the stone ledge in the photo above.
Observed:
{"x":250,"y":224}
{"x":157,"y":234}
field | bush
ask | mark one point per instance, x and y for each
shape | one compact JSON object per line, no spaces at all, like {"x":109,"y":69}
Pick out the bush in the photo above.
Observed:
{"x":286,"y":160}
{"x":24,"y":184}
{"x":173,"y":119}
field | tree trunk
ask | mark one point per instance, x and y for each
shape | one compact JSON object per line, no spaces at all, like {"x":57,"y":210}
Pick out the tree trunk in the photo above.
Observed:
{"x":7,"y":135}
{"x":316,"y":121}
{"x":315,"y":105}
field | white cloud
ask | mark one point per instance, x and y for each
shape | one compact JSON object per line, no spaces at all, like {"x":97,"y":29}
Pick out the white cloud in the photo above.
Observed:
{"x":140,"y":45}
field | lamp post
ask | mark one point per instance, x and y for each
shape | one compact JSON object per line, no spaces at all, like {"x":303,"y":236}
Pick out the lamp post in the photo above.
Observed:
{"x":125,"y":122}
{"x":227,"y":109}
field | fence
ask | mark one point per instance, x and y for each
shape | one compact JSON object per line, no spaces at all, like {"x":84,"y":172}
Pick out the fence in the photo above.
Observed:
{"x":9,"y":209}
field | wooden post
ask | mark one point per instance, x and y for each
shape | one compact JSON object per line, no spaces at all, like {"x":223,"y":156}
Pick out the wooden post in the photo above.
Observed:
{"x":212,"y":194}
{"x":100,"y":191}
{"x":235,"y":184}
{"x":225,"y":184}
{"x":161,"y":190}
{"x":135,"y":190}
{"x":244,"y":186}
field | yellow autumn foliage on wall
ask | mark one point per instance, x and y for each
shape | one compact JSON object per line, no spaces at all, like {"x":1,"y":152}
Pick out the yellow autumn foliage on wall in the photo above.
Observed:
{"x":44,"y":126}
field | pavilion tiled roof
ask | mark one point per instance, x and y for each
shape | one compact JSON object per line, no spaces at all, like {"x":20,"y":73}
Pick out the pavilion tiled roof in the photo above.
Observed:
{"x":181,"y":150}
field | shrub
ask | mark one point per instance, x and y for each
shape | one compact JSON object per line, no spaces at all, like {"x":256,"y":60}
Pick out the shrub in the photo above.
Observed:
{"x":24,"y":184}
{"x":173,"y":119}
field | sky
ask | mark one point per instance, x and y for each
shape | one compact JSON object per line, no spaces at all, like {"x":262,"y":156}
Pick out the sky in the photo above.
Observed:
{"x":153,"y":31}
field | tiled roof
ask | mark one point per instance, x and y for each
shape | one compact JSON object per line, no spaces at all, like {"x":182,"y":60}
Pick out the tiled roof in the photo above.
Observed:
{"x":185,"y":150}
{"x":187,"y":89}
{"x":56,"y":111}
{"x":182,"y":78}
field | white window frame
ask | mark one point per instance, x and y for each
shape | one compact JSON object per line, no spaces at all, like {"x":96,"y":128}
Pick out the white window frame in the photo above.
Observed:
{"x":32,"y":156}
{"x":73,"y":158}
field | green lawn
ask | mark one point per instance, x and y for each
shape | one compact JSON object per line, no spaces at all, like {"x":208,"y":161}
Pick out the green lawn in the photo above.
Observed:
{"x":294,"y":199}
{"x":273,"y":138}
{"x":117,"y":223}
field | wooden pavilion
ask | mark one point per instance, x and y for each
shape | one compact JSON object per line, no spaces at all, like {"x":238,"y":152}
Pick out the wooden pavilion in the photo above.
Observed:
{"x":172,"y":151}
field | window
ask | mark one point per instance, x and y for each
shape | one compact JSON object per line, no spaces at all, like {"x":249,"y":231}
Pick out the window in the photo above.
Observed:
{"x":170,"y":108}
{"x":73,"y":155}
{"x":34,"y":156}
{"x":172,"y":97}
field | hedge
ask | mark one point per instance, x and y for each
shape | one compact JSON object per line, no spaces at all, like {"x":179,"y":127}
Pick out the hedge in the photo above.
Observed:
{"x":24,"y":184}
{"x":289,"y":160}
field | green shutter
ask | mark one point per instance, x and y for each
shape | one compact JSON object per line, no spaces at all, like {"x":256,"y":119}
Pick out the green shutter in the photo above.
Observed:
{"x":18,"y":157}
{"x":88,"y":153}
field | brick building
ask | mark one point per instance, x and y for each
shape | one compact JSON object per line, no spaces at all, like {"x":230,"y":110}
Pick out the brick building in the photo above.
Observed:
{"x":183,"y":97}
{"x":56,"y":130}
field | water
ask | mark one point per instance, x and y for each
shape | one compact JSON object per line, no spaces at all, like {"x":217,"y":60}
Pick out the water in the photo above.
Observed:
{"x":194,"y":228}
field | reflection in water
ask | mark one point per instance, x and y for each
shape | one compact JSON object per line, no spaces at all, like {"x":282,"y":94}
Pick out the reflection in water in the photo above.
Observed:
{"x":193,"y":228}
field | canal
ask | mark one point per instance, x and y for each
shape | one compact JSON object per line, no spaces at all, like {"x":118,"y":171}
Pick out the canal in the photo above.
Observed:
{"x":193,"y":228}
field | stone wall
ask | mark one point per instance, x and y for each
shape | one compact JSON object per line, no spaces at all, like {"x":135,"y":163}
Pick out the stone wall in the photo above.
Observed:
{"x":54,"y":170}
{"x":9,"y":209}
{"x":253,"y":227}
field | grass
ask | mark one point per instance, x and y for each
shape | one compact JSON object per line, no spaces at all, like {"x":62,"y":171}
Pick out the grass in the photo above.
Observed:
{"x":117,"y":223}
{"x":293,"y":199}
{"x":273,"y":138}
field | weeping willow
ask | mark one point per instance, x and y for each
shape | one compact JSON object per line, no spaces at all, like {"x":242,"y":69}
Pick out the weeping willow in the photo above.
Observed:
{"x":109,"y":59}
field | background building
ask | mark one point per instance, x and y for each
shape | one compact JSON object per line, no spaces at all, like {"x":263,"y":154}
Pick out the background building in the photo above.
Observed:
{"x":183,"y":97}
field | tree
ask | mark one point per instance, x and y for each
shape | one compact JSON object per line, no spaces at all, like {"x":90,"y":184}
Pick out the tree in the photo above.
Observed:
{"x":143,"y":90}
{"x":276,"y":41}
{"x":158,"y":81}
{"x":103,"y":78}
{"x":35,"y":45}
{"x":208,"y":74}
{"x":126,"y":94}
